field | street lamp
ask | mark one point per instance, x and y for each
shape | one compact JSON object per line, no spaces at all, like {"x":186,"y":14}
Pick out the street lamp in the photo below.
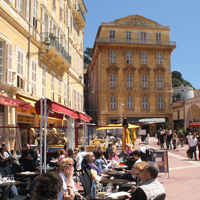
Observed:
{"x":121,"y":113}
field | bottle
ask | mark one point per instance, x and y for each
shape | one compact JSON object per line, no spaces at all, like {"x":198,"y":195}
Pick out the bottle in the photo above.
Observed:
{"x":93,"y":189}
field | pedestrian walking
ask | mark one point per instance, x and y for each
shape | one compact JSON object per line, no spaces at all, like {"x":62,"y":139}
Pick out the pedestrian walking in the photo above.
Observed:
{"x":174,"y":136}
{"x":198,"y":144}
{"x":192,"y":140}
{"x":181,"y":138}
{"x":168,"y":139}
{"x":162,"y":139}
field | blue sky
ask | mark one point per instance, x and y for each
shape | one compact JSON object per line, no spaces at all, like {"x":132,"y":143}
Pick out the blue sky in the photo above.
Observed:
{"x":182,"y":16}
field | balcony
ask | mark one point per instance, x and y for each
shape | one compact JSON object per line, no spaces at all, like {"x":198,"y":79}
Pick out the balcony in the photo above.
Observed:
{"x":132,"y":41}
{"x":57,"y":47}
{"x":79,"y":16}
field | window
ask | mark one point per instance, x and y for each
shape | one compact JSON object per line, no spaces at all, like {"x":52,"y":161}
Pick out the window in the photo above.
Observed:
{"x":112,"y":34}
{"x":160,"y":103}
{"x":9,"y":64}
{"x":129,"y":103}
{"x":113,"y":103}
{"x":70,"y":96}
{"x":159,"y":58}
{"x":65,"y":93}
{"x":52,"y":85}
{"x":23,"y":7}
{"x":34,"y":77}
{"x":20,"y":63}
{"x":159,"y":81}
{"x":129,"y":82}
{"x":112,"y":80}
{"x":1,"y":60}
{"x":59,"y":88}
{"x":144,"y":102}
{"x":144,"y":81}
{"x":178,"y":114}
{"x":158,"y":37}
{"x":44,"y":70}
{"x":143,"y":36}
{"x":35,"y":13}
{"x":144,"y":58}
{"x":112,"y":57}
{"x":128,"y":57}
{"x":128,"y":34}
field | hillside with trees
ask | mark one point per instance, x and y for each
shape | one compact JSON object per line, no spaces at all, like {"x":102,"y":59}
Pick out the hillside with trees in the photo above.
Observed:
{"x":177,"y":80}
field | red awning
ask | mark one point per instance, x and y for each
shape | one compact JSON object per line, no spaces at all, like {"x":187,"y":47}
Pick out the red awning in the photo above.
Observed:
{"x":195,"y":124}
{"x":84,"y":117}
{"x":7,"y":101}
{"x":57,"y":110}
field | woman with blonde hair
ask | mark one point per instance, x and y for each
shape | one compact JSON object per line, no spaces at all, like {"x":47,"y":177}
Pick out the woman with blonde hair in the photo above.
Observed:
{"x":113,"y":155}
{"x":66,"y":170}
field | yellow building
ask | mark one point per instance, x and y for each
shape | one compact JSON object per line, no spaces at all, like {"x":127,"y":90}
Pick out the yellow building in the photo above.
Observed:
{"x":130,"y":72}
{"x":27,"y":70}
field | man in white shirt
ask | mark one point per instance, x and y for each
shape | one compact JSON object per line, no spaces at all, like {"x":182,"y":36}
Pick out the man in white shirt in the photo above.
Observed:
{"x":192,"y":141}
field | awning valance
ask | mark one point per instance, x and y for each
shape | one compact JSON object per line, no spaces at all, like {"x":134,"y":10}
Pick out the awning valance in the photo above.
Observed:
{"x":57,"y":110}
{"x":152,"y":120}
{"x":195,"y":124}
{"x":7,"y":101}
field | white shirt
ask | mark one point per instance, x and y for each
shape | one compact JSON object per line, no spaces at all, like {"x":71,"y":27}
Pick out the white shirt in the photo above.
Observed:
{"x":78,"y":160}
{"x":64,"y":188}
{"x":83,"y":153}
{"x":192,"y":141}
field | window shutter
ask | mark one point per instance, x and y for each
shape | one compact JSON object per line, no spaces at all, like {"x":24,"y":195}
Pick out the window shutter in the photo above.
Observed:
{"x":27,"y":9}
{"x":43,"y":26}
{"x":147,"y":35}
{"x":69,"y":18}
{"x":9,"y":64}
{"x":139,"y":35}
{"x":18,"y":4}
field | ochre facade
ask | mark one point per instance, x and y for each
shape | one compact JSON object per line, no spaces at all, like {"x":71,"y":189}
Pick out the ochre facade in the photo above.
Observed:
{"x":134,"y":81}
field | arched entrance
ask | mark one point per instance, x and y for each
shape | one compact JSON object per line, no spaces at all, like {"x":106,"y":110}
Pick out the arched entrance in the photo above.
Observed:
{"x":192,"y":114}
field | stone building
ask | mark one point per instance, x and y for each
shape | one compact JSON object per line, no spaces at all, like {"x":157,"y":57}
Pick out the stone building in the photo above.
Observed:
{"x":29,"y":71}
{"x":130,"y":72}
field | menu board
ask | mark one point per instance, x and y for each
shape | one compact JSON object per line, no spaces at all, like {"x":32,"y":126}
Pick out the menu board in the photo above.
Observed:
{"x":161,"y":158}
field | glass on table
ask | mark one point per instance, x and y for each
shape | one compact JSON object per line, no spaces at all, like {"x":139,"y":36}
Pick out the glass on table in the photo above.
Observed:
{"x":12,"y":178}
{"x":8,"y":177}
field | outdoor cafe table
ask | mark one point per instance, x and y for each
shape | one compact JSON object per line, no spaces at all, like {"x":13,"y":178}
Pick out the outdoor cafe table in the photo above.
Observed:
{"x":114,"y":181}
{"x":27,"y":173}
{"x":5,"y":184}
{"x":116,"y":173}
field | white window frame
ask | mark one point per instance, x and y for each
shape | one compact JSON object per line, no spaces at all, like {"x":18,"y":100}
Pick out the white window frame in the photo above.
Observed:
{"x":160,"y":103}
{"x":112,"y":34}
{"x":129,"y":103}
{"x":70,"y":96}
{"x":158,"y":37}
{"x":9,"y":64}
{"x":159,"y":81}
{"x":34,"y":73}
{"x":20,"y":69}
{"x":129,"y":57}
{"x":128,"y":35}
{"x":52,"y":85}
{"x":144,"y":81}
{"x":159,"y":58}
{"x":113,"y":103}
{"x":144,"y":57}
{"x":59,"y":89}
{"x":129,"y":80}
{"x":112,"y":56}
{"x":2,"y":60}
{"x":112,"y":80}
{"x":44,"y":75}
{"x":144,"y":103}
{"x":65,"y":93}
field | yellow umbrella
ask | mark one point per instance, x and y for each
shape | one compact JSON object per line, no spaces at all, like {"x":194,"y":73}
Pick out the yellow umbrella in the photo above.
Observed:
{"x":125,"y":138}
{"x":133,"y":136}
{"x":116,"y":126}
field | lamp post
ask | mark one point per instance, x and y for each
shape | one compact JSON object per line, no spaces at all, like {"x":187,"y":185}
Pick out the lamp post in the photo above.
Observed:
{"x":121,"y":113}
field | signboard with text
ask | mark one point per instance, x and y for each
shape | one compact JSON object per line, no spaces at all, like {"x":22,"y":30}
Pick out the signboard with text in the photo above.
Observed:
{"x":161,"y":158}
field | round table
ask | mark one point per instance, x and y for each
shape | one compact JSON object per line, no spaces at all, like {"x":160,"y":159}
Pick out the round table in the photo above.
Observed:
{"x":27,"y":173}
{"x":5,"y":184}
{"x":115,"y":181}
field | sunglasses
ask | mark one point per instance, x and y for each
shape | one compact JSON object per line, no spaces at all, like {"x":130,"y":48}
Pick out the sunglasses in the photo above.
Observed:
{"x":69,"y":164}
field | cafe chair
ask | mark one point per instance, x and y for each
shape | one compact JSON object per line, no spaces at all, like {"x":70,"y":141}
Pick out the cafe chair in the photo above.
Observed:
{"x":160,"y":197}
{"x":5,"y":193}
{"x":2,"y":172}
{"x":87,"y":187}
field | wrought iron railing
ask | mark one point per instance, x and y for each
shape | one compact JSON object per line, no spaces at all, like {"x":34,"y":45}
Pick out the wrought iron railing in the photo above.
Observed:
{"x":133,"y":41}
{"x":56,"y":45}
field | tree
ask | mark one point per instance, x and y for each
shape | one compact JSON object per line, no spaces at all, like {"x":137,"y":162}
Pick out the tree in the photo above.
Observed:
{"x":87,"y":56}
{"x":177,"y":80}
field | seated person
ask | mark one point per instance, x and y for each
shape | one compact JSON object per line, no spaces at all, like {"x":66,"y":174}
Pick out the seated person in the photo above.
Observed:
{"x":66,"y":170}
{"x":13,"y":159}
{"x":27,"y":163}
{"x":48,"y":187}
{"x":150,"y":187}
{"x":89,"y":158}
{"x":99,"y":158}
{"x":3,"y":157}
{"x":113,"y":155}
{"x":61,"y":155}
{"x":108,"y":150}
{"x":128,"y":149}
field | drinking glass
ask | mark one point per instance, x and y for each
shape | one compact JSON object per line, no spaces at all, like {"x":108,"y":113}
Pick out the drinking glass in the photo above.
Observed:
{"x":100,"y":187}
{"x":109,"y":189}
{"x":12,"y":177}
{"x":8,"y":177}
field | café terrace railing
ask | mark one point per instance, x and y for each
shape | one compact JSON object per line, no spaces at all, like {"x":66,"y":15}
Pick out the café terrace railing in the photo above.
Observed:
{"x":133,"y":41}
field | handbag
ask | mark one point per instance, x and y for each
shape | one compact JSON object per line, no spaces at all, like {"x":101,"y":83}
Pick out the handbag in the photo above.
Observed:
{"x":189,"y":153}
